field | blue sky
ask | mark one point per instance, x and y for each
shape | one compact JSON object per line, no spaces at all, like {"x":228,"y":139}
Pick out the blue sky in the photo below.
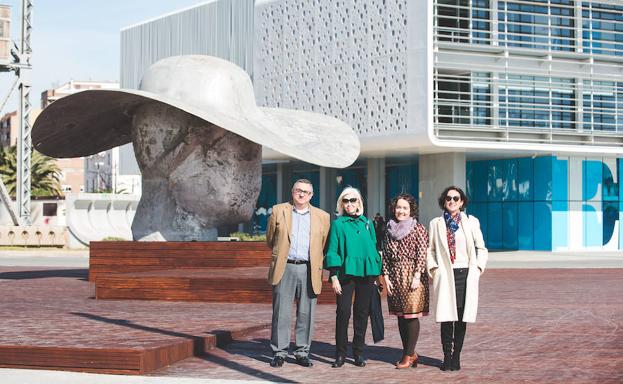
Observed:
{"x":79,"y":40}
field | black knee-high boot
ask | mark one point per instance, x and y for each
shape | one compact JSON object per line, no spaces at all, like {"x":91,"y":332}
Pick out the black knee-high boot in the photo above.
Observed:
{"x":447,"y":331}
{"x":459,"y":336}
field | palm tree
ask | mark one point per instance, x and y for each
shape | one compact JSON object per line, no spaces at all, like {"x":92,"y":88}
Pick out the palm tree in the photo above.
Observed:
{"x":44,"y":173}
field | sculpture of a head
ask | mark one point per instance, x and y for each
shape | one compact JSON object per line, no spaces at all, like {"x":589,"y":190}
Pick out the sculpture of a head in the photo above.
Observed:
{"x":197,"y":135}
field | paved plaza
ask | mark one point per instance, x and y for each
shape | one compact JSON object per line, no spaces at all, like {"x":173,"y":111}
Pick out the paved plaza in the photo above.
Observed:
{"x":535,"y":325}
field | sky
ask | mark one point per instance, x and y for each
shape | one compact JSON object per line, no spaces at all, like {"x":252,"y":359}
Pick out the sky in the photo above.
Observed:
{"x":78,"y":40}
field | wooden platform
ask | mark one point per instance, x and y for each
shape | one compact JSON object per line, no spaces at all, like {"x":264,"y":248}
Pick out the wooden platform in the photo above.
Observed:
{"x":50,"y":320}
{"x":216,"y":285}
{"x":112,"y":257}
{"x":218,"y":272}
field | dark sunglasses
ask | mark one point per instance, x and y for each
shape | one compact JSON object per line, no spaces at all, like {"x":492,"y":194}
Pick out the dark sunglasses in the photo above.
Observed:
{"x":455,"y":198}
{"x":351,"y":200}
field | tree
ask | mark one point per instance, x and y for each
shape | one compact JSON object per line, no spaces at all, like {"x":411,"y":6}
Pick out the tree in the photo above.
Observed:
{"x":44,"y":173}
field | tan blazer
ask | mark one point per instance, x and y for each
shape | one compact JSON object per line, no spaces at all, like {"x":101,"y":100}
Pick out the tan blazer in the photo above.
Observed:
{"x":278,"y":238}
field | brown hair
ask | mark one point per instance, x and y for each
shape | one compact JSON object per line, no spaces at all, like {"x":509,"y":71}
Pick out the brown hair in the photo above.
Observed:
{"x":409,"y":199}
{"x":442,"y":197}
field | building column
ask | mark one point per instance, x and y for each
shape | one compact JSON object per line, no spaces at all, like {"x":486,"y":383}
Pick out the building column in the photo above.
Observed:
{"x":579,"y":39}
{"x":494,"y":22}
{"x":437,"y":172}
{"x":376,"y":187}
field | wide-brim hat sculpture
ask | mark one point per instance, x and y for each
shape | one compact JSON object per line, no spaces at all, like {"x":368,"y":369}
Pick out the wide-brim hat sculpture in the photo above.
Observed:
{"x":197,"y":134}
{"x":208,"y":87}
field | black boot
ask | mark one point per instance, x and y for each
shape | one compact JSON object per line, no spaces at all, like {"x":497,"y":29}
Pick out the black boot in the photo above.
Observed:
{"x":339,"y":361}
{"x":459,"y":336}
{"x":447,"y":329}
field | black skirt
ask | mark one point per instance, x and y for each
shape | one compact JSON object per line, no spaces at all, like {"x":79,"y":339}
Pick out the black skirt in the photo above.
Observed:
{"x":460,"y":281}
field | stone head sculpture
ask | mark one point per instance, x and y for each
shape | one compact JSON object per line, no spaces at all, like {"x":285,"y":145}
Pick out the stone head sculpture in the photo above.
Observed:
{"x":197,"y":136}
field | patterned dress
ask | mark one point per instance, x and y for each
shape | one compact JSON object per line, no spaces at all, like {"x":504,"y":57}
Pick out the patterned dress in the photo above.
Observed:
{"x":401,"y":260}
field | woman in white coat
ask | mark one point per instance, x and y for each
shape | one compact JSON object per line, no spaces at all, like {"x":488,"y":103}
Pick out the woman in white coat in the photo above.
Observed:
{"x":456,"y":258}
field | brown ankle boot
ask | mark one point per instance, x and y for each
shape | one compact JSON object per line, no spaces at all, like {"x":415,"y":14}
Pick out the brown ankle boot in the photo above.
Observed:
{"x":407,"y":361}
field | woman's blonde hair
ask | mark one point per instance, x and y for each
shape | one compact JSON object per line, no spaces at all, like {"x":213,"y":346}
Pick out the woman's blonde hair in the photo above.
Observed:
{"x":339,"y":207}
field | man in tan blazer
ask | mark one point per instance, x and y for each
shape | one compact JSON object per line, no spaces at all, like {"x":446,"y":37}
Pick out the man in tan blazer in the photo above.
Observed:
{"x":297,"y":233}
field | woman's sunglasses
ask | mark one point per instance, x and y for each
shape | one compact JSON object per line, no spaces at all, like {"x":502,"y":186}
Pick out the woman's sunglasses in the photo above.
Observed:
{"x":351,"y":200}
{"x":455,"y":198}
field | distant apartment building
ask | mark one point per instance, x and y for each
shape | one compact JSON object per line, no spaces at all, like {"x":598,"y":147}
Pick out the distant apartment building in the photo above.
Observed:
{"x":51,"y":95}
{"x":84,"y":174}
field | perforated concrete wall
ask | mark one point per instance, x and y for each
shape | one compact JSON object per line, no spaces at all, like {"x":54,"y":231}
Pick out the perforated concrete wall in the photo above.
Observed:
{"x":347,"y":59}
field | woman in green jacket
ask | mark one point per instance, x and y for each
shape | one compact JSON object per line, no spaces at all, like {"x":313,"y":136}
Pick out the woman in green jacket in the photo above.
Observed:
{"x":354,"y":265}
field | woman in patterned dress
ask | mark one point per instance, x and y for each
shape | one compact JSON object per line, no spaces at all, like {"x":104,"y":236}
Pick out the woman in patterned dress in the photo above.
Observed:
{"x":404,"y":271}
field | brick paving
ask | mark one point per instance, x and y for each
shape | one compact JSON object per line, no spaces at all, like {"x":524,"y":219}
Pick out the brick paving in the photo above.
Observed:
{"x":534,"y":326}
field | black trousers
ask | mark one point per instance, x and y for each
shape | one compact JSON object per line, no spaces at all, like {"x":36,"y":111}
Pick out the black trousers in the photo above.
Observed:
{"x":453,"y":332}
{"x":363,"y":288}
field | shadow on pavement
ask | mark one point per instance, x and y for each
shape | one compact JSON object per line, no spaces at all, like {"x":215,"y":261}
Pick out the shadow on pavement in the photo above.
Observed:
{"x":81,"y":274}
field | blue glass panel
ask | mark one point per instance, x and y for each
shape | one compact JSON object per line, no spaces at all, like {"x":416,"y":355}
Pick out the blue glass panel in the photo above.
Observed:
{"x":610,"y":217}
{"x":494,"y":226}
{"x":510,"y":180}
{"x":510,"y":223}
{"x":543,"y":178}
{"x":479,"y":180}
{"x":560,"y":177}
{"x":591,"y":179}
{"x":401,"y":179}
{"x":620,"y":177}
{"x":469,"y":182}
{"x":560,"y":223}
{"x":610,"y":187}
{"x":525,"y":225}
{"x":620,"y":226}
{"x":479,"y":210}
{"x":495,"y":180}
{"x":543,"y":226}
{"x":593,"y":229}
{"x":525,"y":179}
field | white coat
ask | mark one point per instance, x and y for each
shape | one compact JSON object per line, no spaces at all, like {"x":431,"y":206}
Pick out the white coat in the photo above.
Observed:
{"x":440,"y":268}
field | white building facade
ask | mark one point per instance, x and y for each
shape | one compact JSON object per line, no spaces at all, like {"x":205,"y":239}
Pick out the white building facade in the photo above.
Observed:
{"x":518,"y":102}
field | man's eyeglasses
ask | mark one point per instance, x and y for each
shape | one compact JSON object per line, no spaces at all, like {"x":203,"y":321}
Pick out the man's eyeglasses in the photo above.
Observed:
{"x":351,"y":200}
{"x":455,"y":198}
{"x":302,"y":192}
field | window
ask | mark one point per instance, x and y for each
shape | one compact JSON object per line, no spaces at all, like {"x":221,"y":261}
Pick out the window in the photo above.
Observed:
{"x":603,"y":106}
{"x":50,"y":209}
{"x":537,"y":102}
{"x":532,"y":25}
{"x":602,"y":28}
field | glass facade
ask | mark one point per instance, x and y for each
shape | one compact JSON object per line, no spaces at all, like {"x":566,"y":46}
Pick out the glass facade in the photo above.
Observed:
{"x":538,"y":24}
{"x":538,"y":102}
{"x":603,"y":105}
{"x":602,"y":28}
{"x":545,"y":25}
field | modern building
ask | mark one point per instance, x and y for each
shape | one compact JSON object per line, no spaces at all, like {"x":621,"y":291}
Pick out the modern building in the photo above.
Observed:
{"x":518,"y":101}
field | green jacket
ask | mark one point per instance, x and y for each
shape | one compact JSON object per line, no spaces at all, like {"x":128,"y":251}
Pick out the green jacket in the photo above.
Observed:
{"x":352,"y":247}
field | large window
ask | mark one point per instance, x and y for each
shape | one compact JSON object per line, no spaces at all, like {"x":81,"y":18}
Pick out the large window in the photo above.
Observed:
{"x":602,"y":28}
{"x":454,"y":17}
{"x":537,"y":102}
{"x":539,"y":24}
{"x":603,"y":106}
{"x":463,"y":98}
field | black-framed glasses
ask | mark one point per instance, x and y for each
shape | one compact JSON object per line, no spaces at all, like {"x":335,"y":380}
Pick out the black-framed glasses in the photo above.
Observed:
{"x":302,"y":192}
{"x":351,"y":200}
{"x":455,"y":198}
